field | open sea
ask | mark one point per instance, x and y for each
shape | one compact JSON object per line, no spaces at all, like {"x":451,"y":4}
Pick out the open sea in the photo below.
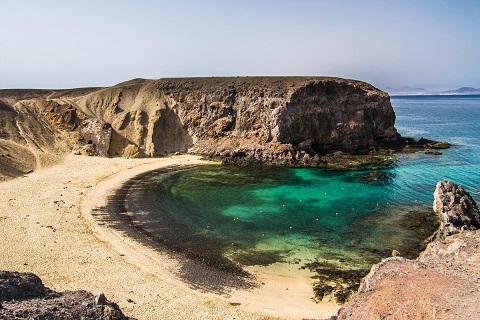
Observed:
{"x":351,"y":219}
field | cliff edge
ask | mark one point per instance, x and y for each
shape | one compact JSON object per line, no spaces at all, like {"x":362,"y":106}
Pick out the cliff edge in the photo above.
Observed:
{"x":278,"y":120}
{"x":270,"y":119}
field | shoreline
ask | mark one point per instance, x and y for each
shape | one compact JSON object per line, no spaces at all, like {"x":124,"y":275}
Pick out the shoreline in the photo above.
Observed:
{"x":265,"y":289}
{"x":49,"y":230}
{"x":215,"y":274}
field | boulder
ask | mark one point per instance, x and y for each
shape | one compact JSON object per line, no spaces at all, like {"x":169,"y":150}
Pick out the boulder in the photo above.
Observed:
{"x":24,"y":296}
{"x":456,"y":209}
{"x":16,"y":285}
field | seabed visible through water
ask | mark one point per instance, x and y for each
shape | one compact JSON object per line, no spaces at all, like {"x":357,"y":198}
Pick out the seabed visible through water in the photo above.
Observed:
{"x":310,"y":221}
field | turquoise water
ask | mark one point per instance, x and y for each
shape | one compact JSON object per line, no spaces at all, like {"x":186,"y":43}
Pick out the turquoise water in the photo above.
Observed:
{"x":261,"y":215}
{"x":452,"y":118}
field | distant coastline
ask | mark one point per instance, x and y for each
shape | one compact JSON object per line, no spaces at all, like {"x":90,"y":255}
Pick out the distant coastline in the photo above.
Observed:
{"x":409,"y":91}
{"x":434,"y":95}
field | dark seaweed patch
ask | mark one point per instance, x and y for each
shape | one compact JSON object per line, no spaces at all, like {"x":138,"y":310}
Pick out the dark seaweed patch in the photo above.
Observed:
{"x":332,"y":280}
{"x":259,"y":258}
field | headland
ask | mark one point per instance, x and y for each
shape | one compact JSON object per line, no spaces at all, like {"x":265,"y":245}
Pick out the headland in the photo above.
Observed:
{"x":46,"y":211}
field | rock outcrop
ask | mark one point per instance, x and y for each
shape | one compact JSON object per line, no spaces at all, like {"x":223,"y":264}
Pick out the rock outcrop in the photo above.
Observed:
{"x":36,"y":132}
{"x":27,"y":139}
{"x":456,"y":208}
{"x":23,"y":296}
{"x":443,"y":283}
{"x":268,"y":119}
{"x":272,"y":120}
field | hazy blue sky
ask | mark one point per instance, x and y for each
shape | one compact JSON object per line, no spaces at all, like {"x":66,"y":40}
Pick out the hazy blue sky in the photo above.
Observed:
{"x":59,"y":44}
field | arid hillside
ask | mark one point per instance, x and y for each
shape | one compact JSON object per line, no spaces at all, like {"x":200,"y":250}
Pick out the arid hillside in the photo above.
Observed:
{"x":29,"y":139}
{"x":279,"y":120}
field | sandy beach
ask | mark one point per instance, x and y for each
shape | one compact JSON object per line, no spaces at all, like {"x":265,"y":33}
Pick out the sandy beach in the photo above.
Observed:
{"x":48,"y":228}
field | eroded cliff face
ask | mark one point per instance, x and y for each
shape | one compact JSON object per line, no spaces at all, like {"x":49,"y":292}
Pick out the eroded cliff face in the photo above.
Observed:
{"x":270,"y":119}
{"x":278,"y":120}
{"x":27,"y":139}
{"x":36,"y":131}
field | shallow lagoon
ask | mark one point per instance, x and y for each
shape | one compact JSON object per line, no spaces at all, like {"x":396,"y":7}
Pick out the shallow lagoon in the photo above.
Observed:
{"x":351,"y":219}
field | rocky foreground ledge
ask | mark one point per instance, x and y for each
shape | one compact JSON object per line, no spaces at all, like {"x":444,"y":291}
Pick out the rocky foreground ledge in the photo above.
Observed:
{"x":443,"y":283}
{"x":23,"y":296}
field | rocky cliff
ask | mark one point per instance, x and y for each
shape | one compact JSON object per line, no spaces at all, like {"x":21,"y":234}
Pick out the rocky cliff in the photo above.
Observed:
{"x":266,"y":119}
{"x":263,"y":118}
{"x":456,"y":209}
{"x":443,"y":283}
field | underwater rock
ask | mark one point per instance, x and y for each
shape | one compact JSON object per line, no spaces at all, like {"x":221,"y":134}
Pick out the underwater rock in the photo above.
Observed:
{"x":375,"y":177}
{"x":433,"y":153}
{"x":343,"y":161}
{"x":438,"y":145}
{"x":332,"y":281}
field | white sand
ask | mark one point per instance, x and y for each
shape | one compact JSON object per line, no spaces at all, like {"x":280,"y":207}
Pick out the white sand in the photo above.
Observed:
{"x":47,"y":228}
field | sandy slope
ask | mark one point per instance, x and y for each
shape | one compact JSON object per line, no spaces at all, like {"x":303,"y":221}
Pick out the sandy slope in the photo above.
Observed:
{"x":47,"y":228}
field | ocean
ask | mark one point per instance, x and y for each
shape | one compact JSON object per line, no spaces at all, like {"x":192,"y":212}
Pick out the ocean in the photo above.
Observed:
{"x":258,"y":216}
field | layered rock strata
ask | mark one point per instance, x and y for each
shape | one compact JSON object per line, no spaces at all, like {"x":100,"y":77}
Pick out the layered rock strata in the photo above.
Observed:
{"x":265,"y":119}
{"x":262,"y":118}
{"x":34,"y":134}
{"x":443,"y":283}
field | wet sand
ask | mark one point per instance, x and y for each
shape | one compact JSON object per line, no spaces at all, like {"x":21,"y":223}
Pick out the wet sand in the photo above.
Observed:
{"x":51,"y":225}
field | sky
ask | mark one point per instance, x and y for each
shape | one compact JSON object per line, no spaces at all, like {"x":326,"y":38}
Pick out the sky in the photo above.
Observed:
{"x":65,"y":44}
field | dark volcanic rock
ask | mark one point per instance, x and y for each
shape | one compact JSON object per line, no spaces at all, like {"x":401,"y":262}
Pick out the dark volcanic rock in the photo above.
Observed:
{"x":16,"y":285}
{"x":23,"y":296}
{"x":456,"y":208}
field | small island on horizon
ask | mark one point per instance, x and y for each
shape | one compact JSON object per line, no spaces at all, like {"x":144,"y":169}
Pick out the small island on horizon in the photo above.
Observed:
{"x":412,"y":91}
